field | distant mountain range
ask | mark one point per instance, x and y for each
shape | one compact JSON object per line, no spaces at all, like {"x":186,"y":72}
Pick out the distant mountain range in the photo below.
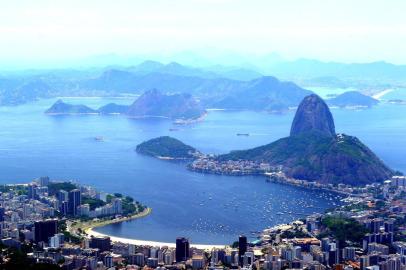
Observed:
{"x":265,"y":93}
{"x":307,"y":69}
{"x":239,"y":87}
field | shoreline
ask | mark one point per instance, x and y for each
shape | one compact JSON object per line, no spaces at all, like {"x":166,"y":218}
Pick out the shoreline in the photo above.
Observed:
{"x":88,"y":229}
{"x":138,"y":242}
{"x":382,"y":93}
{"x":91,"y":224}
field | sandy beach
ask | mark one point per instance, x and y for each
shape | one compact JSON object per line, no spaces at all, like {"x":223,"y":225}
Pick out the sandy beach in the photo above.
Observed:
{"x":91,"y":232}
{"x":379,"y":95}
{"x":88,"y":228}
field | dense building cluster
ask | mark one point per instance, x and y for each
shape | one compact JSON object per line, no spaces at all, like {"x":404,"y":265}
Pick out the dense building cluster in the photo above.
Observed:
{"x":366,"y":233}
{"x":230,"y":167}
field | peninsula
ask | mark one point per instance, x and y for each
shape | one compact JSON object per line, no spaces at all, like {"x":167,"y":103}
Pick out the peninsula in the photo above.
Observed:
{"x":312,"y":152}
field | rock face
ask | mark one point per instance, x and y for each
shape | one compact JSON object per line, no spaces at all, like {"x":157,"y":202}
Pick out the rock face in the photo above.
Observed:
{"x":155,"y":104}
{"x":314,"y":152}
{"x":313,"y":115}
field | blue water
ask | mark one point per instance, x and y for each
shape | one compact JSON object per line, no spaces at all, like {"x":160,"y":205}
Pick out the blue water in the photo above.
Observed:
{"x":63,"y":147}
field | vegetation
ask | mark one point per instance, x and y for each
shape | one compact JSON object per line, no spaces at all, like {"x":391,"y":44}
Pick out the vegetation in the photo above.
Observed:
{"x":312,"y":156}
{"x":21,"y":190}
{"x":128,"y":205}
{"x":54,"y":187}
{"x":356,"y":207}
{"x":166,"y":147}
{"x":92,"y":202}
{"x":344,"y":229}
{"x":17,"y":260}
{"x":289,"y":234}
{"x":72,"y":238}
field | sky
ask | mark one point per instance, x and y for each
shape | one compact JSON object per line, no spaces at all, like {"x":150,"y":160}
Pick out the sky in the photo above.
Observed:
{"x":342,"y":30}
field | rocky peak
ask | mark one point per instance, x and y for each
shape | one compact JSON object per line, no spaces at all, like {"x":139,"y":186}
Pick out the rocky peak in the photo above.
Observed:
{"x":313,"y":115}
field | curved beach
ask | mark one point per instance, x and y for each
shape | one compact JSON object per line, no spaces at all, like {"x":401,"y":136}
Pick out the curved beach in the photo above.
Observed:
{"x":91,"y":232}
{"x":88,"y":229}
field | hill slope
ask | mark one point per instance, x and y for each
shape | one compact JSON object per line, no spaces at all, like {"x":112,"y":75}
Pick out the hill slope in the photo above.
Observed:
{"x":155,"y":104}
{"x":265,"y":93}
{"x":166,"y":147}
{"x":352,"y":98}
{"x":60,"y":107}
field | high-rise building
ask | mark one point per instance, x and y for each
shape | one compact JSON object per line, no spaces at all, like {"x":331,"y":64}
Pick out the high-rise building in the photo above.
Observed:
{"x":43,"y":181}
{"x":32,"y":191}
{"x":63,"y":196}
{"x":74,"y":201}
{"x":43,"y":230}
{"x":108,"y":261}
{"x":117,"y":205}
{"x":325,"y":244}
{"x":242,"y":248}
{"x":152,"y":262}
{"x":137,"y":259}
{"x":64,"y":208}
{"x":57,"y":240}
{"x":102,"y":243}
{"x":2,"y":211}
{"x":389,"y":226}
{"x":349,"y":253}
{"x":182,"y":249}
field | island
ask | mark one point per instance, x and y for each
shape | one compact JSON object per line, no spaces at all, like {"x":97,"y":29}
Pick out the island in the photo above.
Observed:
{"x":167,"y":148}
{"x":60,"y":108}
{"x":352,"y":99}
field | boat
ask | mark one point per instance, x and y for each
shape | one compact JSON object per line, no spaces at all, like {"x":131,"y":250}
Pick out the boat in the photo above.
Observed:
{"x":99,"y":138}
{"x":243,"y":134}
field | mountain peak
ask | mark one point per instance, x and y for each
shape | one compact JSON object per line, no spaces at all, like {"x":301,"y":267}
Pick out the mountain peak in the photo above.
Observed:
{"x":313,"y":115}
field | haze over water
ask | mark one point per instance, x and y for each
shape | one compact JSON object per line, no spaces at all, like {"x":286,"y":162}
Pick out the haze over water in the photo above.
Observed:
{"x":208,"y":208}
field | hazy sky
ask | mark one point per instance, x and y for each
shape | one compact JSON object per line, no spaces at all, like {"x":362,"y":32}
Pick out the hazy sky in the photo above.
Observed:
{"x":342,"y":30}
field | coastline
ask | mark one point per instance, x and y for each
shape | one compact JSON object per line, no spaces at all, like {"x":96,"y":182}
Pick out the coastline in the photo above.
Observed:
{"x":91,"y":232}
{"x":88,"y":229}
{"x":100,"y":223}
{"x":380,"y":94}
